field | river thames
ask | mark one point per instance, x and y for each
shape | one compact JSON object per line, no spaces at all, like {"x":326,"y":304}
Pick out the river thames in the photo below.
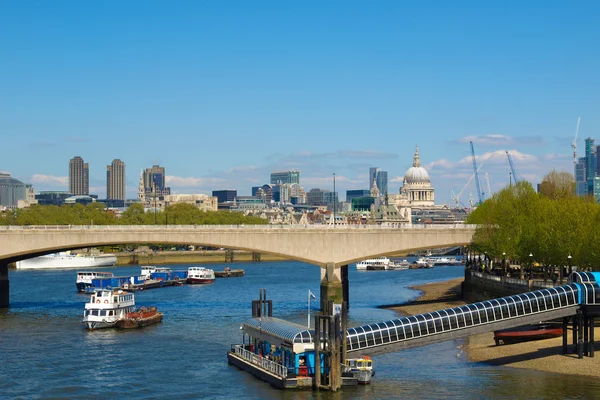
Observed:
{"x":45,"y":352}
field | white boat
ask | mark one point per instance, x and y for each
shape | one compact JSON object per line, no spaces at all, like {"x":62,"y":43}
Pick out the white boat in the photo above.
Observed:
{"x":84,"y":279}
{"x":441,"y":260}
{"x":148,"y":270}
{"x":400,"y":265}
{"x":67,"y":260}
{"x":106,"y":307}
{"x":423,"y":262}
{"x":360,"y":368}
{"x":200,"y":275}
{"x":374,"y":264}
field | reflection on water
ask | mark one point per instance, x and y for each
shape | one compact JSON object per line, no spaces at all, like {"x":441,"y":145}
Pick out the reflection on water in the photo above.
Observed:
{"x":46,"y":352}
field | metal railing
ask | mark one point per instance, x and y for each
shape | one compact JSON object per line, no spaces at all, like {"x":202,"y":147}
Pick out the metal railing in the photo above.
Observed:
{"x":535,"y":284}
{"x":230,"y":227}
{"x":259,"y":361}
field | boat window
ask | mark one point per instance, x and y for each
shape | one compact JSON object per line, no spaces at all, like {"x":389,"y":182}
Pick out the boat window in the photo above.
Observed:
{"x":95,"y":312}
{"x":102,"y":313}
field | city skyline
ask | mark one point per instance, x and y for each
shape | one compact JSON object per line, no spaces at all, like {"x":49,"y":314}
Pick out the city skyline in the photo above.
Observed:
{"x":222,"y":100}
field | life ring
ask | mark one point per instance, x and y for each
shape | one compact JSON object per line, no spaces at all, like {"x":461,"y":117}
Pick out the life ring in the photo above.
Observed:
{"x":106,"y":301}
{"x":97,"y":301}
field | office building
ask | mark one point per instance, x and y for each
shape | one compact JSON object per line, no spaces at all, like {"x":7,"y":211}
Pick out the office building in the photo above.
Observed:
{"x":79,"y":176}
{"x":225,"y":196}
{"x":379,"y":177}
{"x":352,"y":194}
{"x":14,"y":193}
{"x":115,"y":180}
{"x":281,"y":177}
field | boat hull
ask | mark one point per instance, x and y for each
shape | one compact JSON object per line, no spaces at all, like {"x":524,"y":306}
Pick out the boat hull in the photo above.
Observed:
{"x":134,"y":323}
{"x":67,"y":261}
{"x":201,"y":281}
{"x":528,"y":333}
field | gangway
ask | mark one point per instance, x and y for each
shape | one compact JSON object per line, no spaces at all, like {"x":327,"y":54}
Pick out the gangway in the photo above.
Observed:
{"x":453,"y":323}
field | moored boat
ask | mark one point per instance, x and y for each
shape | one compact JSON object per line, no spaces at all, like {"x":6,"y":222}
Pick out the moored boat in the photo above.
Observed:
{"x":116,"y":308}
{"x":374,"y":264}
{"x":543,"y":330}
{"x":200,"y":275}
{"x":106,"y":307}
{"x":138,"y":319}
{"x":360,"y":368}
{"x":84,"y":278}
{"x":67,"y":260}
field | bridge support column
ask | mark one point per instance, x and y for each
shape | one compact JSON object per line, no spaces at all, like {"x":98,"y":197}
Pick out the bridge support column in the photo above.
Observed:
{"x":565,"y":325}
{"x":345,"y":285}
{"x":592,"y":336}
{"x":4,"y":287}
{"x":328,"y":325}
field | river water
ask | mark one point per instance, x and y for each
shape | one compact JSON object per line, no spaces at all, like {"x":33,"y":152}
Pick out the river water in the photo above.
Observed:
{"x":45,"y":353}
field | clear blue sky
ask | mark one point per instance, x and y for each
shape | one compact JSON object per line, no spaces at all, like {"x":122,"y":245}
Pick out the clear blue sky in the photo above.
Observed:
{"x":221,"y":93}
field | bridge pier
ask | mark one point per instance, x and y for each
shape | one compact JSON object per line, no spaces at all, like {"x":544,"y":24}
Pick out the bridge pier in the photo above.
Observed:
{"x":330,"y":346}
{"x":4,"y":286}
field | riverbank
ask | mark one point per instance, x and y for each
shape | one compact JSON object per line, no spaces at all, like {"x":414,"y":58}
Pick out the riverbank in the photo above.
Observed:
{"x":188,"y":257}
{"x":540,"y":355}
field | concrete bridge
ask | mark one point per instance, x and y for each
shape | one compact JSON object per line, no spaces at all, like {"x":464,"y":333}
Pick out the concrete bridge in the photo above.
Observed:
{"x":330,"y":247}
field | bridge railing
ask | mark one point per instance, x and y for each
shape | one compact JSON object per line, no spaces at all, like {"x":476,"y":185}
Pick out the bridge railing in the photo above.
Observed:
{"x":262,"y":362}
{"x":241,"y":226}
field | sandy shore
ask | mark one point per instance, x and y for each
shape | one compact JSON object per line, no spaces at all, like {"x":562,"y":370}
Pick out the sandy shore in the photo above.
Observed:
{"x":541,"y":355}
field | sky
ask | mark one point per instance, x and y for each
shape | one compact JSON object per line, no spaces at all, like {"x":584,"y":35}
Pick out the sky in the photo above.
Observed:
{"x":222,"y":93}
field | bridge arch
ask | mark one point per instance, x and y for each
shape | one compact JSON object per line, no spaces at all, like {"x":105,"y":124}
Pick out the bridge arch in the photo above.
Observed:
{"x":318,"y":245}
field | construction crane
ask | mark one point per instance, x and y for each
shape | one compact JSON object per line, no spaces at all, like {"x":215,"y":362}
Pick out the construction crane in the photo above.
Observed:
{"x":476,"y":175}
{"x":512,"y":168}
{"x":456,"y":197}
{"x":574,"y":144}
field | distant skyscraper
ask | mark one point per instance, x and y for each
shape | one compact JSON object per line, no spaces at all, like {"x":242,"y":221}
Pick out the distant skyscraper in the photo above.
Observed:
{"x":590,"y":167}
{"x":380,"y":177}
{"x":291,"y":176}
{"x":115,"y":180}
{"x":79,"y":176}
{"x":372,"y":176}
{"x":152,"y":184}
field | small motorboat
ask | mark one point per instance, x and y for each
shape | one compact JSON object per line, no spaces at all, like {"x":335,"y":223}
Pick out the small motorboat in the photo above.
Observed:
{"x":360,"y":368}
{"x":543,"y":330}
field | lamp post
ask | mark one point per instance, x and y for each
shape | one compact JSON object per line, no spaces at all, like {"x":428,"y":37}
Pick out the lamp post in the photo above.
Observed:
{"x":504,"y":263}
{"x":569,"y":258}
{"x":530,"y":266}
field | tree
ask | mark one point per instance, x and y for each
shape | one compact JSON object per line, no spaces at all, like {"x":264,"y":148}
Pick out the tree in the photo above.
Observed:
{"x":558,"y":185}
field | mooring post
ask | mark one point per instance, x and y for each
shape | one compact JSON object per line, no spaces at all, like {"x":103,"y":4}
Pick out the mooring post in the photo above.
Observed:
{"x":579,"y":334}
{"x":586,"y":330}
{"x":4,"y":286}
{"x":345,"y":285}
{"x":565,"y":325}
{"x":592,"y":336}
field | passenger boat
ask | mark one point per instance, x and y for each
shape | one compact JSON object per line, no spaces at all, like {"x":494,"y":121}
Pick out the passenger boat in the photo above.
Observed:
{"x":106,"y":307}
{"x":399,"y":265}
{"x":441,"y":260}
{"x":84,"y":279}
{"x":526,"y":333}
{"x":116,"y":308}
{"x":422,"y":262}
{"x":374,"y":264}
{"x":67,"y":260}
{"x":200,"y":275}
{"x":360,"y":368}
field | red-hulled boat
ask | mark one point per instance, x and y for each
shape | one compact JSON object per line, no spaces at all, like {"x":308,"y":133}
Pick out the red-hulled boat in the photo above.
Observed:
{"x":143,"y":317}
{"x":543,"y":330}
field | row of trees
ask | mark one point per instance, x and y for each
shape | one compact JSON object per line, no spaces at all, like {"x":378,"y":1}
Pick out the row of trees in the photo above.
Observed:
{"x":97,"y":214}
{"x":550,"y":225}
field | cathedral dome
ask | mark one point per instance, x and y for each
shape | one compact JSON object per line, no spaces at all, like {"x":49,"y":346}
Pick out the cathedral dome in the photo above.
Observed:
{"x":416,"y":173}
